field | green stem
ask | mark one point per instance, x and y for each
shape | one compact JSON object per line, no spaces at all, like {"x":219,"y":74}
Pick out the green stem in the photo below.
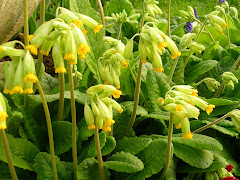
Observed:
{"x":74,"y":122}
{"x":212,"y":123}
{"x":8,"y":154}
{"x":61,"y":98}
{"x":172,"y":70}
{"x":136,"y":99}
{"x":50,"y":132}
{"x":141,"y":93}
{"x":168,"y":158}
{"x":99,"y":154}
{"x":169,"y":17}
{"x":119,"y":31}
{"x":26,"y":41}
{"x":101,"y":12}
{"x":206,"y":30}
{"x":42,"y":20}
{"x":189,"y":54}
{"x":229,"y":42}
{"x":143,"y":13}
{"x":222,"y":86}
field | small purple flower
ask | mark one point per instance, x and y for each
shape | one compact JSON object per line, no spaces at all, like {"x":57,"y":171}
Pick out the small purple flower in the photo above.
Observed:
{"x":221,"y":1}
{"x":189,"y":27}
{"x":196,"y":13}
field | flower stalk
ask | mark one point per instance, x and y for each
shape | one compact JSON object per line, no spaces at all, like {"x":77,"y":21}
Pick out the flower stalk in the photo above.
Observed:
{"x":229,"y":42}
{"x":101,"y":12}
{"x":8,"y":154}
{"x":170,"y":131}
{"x":169,"y":17}
{"x":99,"y":154}
{"x":74,"y":122}
{"x":206,"y":30}
{"x":50,"y":132}
{"x":61,"y":98}
{"x":119,"y":31}
{"x":173,"y":69}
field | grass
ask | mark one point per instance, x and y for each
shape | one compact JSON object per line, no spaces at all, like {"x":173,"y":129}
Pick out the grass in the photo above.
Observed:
{"x":203,"y":6}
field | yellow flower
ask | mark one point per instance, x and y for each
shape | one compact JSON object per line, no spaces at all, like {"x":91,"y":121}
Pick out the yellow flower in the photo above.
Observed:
{"x":209,"y":108}
{"x":125,"y":64}
{"x":158,"y":69}
{"x":106,"y":129}
{"x":78,"y":23}
{"x":120,"y":111}
{"x":109,"y":122}
{"x":92,"y":126}
{"x":60,"y":70}
{"x":30,"y":78}
{"x":28,"y":91}
{"x":162,"y":45}
{"x":143,"y":61}
{"x":97,"y":28}
{"x":117,"y":87}
{"x":178,"y":126}
{"x":176,"y":54}
{"x":6,"y":91}
{"x":30,"y":37}
{"x":160,"y":100}
{"x":17,"y":89}
{"x":1,"y":49}
{"x":83,"y":49}
{"x":189,"y":135}
{"x":33,"y":49}
{"x":3,"y":125}
{"x":179,"y":108}
{"x":81,"y":56}
{"x":224,"y":25}
{"x":69,"y":56}
{"x":46,"y":53}
{"x":117,"y":93}
{"x":195,"y":93}
{"x":84,"y":31}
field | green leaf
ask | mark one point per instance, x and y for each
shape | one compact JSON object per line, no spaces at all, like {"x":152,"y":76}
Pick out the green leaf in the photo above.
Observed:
{"x":153,"y":158}
{"x":84,"y":133}
{"x":199,"y":158}
{"x":117,"y":6}
{"x":234,"y":36}
{"x":23,"y":152}
{"x":92,"y":147}
{"x":199,"y":141}
{"x":43,"y":167}
{"x":129,"y":108}
{"x":88,"y":170}
{"x":171,"y":173}
{"x":13,"y":123}
{"x":124,"y":162}
{"x":62,"y":136}
{"x":132,"y":145}
{"x":210,"y":52}
{"x":121,"y":124}
{"x":195,"y":71}
{"x":157,"y":86}
{"x":218,"y":163}
{"x":109,"y":145}
{"x":48,"y":83}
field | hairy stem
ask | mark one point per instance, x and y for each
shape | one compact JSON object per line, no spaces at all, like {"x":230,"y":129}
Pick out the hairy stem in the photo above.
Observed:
{"x":101,"y":12}
{"x":136,"y":99}
{"x":142,"y":20}
{"x":212,"y":123}
{"x":168,"y":158}
{"x":172,"y":70}
{"x":119,"y":31}
{"x":61,"y":98}
{"x":169,"y":17}
{"x":8,"y":154}
{"x":99,"y":154}
{"x":42,"y":20}
{"x":189,"y":54}
{"x":206,"y":30}
{"x":49,"y":128}
{"x":74,"y":122}
{"x":229,"y":42}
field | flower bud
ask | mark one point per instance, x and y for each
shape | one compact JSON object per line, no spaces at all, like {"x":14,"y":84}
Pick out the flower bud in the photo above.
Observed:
{"x":157,"y":62}
{"x":9,"y":74}
{"x":46,"y":47}
{"x":10,"y":51}
{"x":29,"y":69}
{"x":196,"y":48}
{"x":142,"y":50}
{"x":89,"y":117}
{"x":235,"y":117}
{"x":172,"y":47}
{"x":217,"y":20}
{"x":120,"y":47}
{"x":186,"y":89}
{"x":192,"y":111}
{"x":58,"y":57}
{"x":114,"y":104}
{"x":70,"y":47}
{"x":54,"y":35}
{"x":95,"y":89}
{"x":103,"y":109}
{"x":176,"y":121}
{"x":128,"y":49}
{"x":187,"y":134}
{"x":95,"y":109}
{"x":115,"y":78}
{"x":186,"y":40}
{"x":234,"y":12}
{"x":198,"y":102}
{"x":99,"y":122}
{"x":211,"y":84}
{"x":18,"y":79}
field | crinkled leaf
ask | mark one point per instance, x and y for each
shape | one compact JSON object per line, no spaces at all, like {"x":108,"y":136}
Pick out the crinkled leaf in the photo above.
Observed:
{"x":210,"y":52}
{"x":109,"y":145}
{"x":132,"y":145}
{"x":92,"y":147}
{"x":23,"y":152}
{"x":13,"y":123}
{"x":124,"y":162}
{"x":117,"y":6}
{"x":48,"y":83}
{"x":199,"y":158}
{"x":84,"y":133}
{"x":129,"y":108}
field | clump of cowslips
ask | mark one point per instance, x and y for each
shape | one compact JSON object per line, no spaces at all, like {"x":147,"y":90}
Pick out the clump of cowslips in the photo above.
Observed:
{"x":3,"y":113}
{"x":182,"y":102}
{"x":20,"y":73}
{"x":101,"y":107}
{"x":187,"y":42}
{"x":121,"y":18}
{"x":211,"y":83}
{"x":152,"y":45}
{"x":65,"y":35}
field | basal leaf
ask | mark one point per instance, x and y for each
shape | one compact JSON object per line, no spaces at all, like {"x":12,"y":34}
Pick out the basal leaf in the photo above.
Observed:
{"x":109,"y":145}
{"x":132,"y":145}
{"x":48,"y":83}
{"x":84,"y":133}
{"x":124,"y":162}
{"x":199,"y":158}
{"x":43,"y":167}
{"x":23,"y":152}
{"x":195,"y":71}
{"x":234,"y":36}
{"x":92,"y":147}
{"x":210,"y":52}
{"x":117,"y":6}
{"x":129,"y":108}
{"x":62,"y":136}
{"x":13,"y":123}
